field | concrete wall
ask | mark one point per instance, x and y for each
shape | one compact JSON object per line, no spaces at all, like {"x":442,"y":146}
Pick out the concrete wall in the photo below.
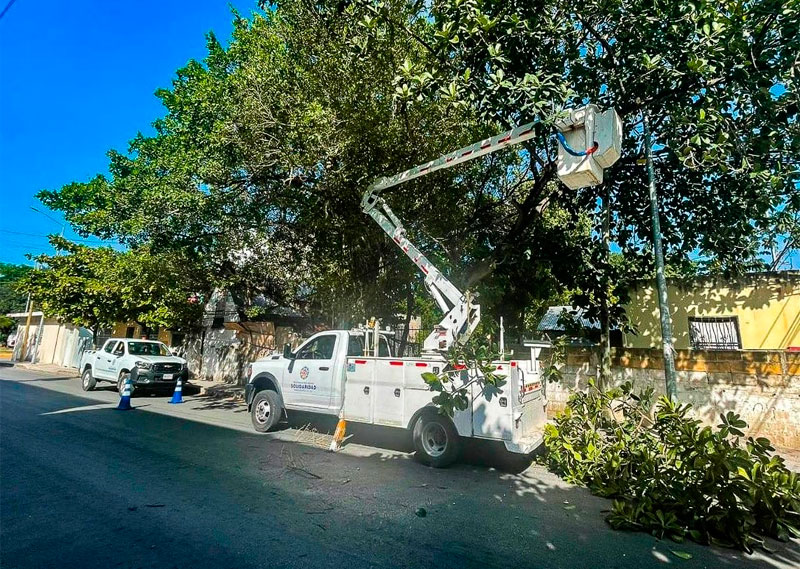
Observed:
{"x":222,"y":354}
{"x":767,"y":306}
{"x":51,"y":342}
{"x":763,"y":386}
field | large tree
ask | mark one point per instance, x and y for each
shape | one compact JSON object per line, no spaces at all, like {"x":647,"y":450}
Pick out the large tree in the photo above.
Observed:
{"x":717,"y":81}
{"x":257,"y":169}
{"x":97,"y":287}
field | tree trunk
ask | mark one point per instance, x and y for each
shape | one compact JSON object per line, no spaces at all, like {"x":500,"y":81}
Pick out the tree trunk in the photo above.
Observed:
{"x":409,"y":308}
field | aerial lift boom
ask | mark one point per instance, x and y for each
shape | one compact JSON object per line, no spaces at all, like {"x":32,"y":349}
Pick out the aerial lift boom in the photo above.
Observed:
{"x":462,"y":313}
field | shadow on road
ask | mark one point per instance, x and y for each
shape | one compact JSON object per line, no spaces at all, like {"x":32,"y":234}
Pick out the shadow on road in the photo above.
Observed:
{"x":45,"y":379}
{"x":390,"y":509}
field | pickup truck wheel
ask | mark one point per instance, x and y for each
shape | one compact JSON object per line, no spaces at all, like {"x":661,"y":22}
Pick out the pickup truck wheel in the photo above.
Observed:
{"x":265,"y":410}
{"x":436,"y":441}
{"x":88,"y":381}
{"x":123,"y":377}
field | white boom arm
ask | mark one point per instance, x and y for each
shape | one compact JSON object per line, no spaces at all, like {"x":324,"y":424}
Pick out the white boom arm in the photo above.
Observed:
{"x":599,"y":133}
{"x":462,"y":315}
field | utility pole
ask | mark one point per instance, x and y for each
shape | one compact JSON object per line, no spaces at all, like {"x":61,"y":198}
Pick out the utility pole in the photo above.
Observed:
{"x":605,"y":324}
{"x":27,"y":329}
{"x":661,"y":281}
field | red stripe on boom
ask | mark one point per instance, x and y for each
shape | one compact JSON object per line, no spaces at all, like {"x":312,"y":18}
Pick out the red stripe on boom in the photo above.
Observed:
{"x":395,"y":363}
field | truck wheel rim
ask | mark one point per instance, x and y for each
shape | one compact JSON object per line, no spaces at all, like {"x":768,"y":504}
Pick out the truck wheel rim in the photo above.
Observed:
{"x":434,"y":439}
{"x":86,"y":379}
{"x":262,"y":411}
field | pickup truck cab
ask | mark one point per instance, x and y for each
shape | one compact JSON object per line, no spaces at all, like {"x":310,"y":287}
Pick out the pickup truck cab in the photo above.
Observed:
{"x":329,"y":374}
{"x":148,"y":363}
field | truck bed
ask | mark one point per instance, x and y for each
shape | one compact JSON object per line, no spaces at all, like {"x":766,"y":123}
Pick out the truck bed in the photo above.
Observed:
{"x":391,"y":391}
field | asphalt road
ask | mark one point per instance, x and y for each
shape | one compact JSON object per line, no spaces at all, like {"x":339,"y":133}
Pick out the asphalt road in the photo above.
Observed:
{"x":84,"y":485}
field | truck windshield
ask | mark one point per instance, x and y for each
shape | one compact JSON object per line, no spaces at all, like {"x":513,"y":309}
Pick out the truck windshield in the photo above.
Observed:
{"x":148,"y":349}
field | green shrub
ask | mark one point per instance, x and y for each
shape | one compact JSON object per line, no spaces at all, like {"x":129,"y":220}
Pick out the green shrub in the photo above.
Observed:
{"x":670,"y":475}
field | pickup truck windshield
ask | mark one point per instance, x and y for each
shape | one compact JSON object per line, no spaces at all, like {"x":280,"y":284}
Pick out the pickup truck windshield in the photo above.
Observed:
{"x":148,"y":349}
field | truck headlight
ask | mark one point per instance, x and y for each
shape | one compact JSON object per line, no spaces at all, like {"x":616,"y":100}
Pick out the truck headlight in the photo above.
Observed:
{"x":144,"y":365}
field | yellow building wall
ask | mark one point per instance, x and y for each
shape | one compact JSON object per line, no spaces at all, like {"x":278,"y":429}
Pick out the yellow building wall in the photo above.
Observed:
{"x":120,"y":329}
{"x":768,"y":309}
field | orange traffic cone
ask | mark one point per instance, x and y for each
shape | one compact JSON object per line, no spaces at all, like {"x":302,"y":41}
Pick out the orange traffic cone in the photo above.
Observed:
{"x":338,"y":435}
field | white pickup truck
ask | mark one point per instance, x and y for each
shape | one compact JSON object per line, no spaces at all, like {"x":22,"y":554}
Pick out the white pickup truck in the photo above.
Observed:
{"x":147,"y":363}
{"x":329,"y":374}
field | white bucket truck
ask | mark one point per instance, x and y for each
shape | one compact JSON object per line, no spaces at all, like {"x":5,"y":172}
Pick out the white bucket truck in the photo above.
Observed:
{"x":353,"y":375}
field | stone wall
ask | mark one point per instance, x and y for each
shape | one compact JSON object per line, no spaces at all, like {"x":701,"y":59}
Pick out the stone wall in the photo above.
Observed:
{"x":763,"y":386}
{"x":222,"y":354}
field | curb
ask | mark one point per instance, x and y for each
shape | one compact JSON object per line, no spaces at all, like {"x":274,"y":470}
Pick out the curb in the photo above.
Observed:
{"x":223,"y":391}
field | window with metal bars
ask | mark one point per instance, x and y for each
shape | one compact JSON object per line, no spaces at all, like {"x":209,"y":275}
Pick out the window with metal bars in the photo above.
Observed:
{"x":715,"y":333}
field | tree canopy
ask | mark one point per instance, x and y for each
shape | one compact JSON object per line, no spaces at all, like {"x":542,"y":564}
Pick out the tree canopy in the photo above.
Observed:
{"x":96,"y":287}
{"x":253,"y":177}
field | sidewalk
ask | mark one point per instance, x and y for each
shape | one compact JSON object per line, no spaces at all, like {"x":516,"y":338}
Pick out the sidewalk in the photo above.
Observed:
{"x":214,"y":389}
{"x":49,"y":368}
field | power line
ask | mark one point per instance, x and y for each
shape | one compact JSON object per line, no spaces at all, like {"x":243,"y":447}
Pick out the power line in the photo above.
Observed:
{"x":3,"y":13}
{"x":97,"y":241}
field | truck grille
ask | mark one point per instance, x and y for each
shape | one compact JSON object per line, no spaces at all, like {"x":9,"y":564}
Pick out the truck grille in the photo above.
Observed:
{"x":167,"y":368}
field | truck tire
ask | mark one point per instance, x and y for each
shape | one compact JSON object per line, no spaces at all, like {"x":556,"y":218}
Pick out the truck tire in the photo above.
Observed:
{"x":265,"y":411}
{"x":436,"y":440}
{"x":88,"y":382}
{"x":125,"y":375}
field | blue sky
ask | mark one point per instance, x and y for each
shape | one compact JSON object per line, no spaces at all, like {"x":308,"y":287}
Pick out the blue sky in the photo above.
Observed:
{"x":76,"y":79}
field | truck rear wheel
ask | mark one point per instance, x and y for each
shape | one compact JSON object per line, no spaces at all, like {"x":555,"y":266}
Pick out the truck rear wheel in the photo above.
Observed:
{"x":265,"y":411}
{"x":436,"y":440}
{"x":88,"y":381}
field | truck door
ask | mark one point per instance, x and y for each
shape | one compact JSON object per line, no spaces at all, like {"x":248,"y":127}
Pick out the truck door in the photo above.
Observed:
{"x":310,"y":376}
{"x":116,"y":357}
{"x":102,"y":360}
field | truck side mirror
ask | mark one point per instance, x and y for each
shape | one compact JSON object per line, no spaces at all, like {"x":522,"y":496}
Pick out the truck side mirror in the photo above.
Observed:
{"x":287,"y":352}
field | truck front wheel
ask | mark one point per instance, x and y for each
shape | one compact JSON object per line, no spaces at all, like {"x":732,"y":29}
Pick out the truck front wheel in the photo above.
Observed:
{"x":265,"y":411}
{"x":436,"y":440}
{"x":87,"y":380}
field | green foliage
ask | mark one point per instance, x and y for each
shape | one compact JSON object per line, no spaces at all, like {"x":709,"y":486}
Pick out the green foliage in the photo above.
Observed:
{"x":11,"y":298}
{"x":256,"y":170}
{"x":671,"y":476}
{"x":468,"y":365}
{"x":98,"y":286}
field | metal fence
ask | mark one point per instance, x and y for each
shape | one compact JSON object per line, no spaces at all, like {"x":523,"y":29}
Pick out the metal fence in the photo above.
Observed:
{"x":715,"y":333}
{"x":413,"y":345}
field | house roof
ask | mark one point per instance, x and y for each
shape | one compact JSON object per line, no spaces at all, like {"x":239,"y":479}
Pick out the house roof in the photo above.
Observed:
{"x":550,"y":320}
{"x":24,"y":314}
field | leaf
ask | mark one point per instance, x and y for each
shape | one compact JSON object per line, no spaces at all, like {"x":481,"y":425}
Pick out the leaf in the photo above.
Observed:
{"x":681,"y":554}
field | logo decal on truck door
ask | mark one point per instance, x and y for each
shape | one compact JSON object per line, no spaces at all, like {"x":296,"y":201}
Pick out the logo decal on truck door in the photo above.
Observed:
{"x":301,"y":385}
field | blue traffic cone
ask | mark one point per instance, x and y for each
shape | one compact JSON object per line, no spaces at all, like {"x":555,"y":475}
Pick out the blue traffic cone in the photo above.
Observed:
{"x":177,"y":396}
{"x":125,"y":400}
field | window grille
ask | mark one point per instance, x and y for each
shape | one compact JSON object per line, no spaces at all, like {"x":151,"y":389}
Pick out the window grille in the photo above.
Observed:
{"x":715,"y":333}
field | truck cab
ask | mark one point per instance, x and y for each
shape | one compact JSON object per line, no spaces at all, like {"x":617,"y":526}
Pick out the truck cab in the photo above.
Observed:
{"x":312,"y":377}
{"x":148,"y":364}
